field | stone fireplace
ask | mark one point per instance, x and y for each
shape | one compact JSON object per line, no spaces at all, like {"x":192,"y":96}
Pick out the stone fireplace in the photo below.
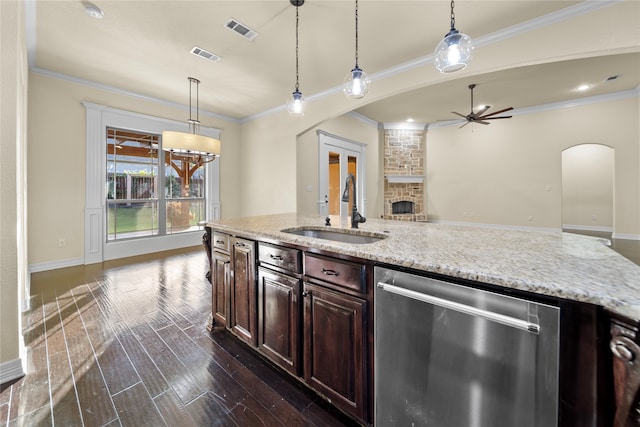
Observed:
{"x":404,"y":175}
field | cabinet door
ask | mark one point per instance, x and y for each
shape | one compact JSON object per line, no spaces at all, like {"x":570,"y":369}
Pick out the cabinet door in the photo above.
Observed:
{"x":220,"y":287}
{"x":279,"y":318}
{"x":243,"y":294}
{"x":334,"y":347}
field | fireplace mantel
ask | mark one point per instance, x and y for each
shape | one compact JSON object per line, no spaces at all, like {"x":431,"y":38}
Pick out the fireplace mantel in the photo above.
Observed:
{"x":405,"y":179}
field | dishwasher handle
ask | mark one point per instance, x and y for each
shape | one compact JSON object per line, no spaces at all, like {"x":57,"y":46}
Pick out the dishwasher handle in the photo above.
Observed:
{"x":463,"y":308}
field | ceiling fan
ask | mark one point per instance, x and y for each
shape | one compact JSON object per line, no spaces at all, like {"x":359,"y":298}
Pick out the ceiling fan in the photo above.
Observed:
{"x":479,"y":116}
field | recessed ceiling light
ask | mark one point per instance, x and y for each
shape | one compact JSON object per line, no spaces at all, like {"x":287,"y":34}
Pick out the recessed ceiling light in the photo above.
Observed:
{"x":410,"y":120}
{"x":584,"y":87}
{"x":93,"y":10}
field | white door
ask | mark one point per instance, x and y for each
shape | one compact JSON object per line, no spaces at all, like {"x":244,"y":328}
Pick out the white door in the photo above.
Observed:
{"x":339,"y":157}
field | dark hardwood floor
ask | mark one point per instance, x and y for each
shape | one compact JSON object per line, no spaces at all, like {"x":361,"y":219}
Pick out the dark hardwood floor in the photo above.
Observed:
{"x":125,"y":343}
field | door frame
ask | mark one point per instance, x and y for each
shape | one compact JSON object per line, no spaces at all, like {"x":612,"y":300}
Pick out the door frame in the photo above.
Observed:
{"x":344,"y":147}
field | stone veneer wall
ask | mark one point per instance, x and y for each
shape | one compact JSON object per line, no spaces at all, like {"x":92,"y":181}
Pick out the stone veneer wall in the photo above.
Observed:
{"x":404,"y":155}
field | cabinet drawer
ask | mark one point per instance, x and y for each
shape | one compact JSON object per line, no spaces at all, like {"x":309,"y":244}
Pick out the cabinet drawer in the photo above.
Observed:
{"x":278,"y":256}
{"x":339,"y":272}
{"x":220,"y":241}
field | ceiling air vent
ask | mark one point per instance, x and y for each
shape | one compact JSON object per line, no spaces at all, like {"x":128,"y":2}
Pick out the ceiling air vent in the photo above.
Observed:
{"x":241,"y":29}
{"x":611,"y":78}
{"x":205,"y":54}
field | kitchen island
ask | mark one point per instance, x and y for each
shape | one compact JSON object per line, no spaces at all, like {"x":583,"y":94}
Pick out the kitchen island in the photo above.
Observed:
{"x":577,"y":272}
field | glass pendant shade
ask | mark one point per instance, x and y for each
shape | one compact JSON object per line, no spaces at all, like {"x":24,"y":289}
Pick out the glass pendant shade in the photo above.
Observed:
{"x":454,"y":52}
{"x":296,"y":104}
{"x":356,"y":84}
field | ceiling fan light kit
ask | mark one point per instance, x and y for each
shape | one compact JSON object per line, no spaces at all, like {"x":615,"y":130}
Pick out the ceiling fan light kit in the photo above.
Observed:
{"x":455,"y":51}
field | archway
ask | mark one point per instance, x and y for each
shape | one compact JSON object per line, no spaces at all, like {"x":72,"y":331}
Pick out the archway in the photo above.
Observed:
{"x":587,"y":189}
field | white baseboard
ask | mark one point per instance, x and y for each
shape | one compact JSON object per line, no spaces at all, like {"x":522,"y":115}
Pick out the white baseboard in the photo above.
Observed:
{"x":497,"y":226}
{"x":52,"y":265}
{"x":11,"y":370}
{"x":625,"y":236}
{"x":587,"y":228}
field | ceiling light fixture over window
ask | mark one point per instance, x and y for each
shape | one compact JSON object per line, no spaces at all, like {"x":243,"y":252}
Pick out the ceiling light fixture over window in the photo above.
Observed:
{"x":296,"y":104}
{"x":203,"y":148}
{"x":455,"y":51}
{"x":356,"y":84}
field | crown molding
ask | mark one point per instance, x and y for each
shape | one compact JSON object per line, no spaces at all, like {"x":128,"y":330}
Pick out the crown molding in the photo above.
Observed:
{"x":128,"y":93}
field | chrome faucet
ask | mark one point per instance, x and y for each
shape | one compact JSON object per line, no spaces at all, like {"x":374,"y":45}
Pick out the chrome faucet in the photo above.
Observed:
{"x":356,"y":218}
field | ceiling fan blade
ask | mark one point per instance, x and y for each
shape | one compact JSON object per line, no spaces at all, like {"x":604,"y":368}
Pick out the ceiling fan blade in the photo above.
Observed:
{"x":464,"y":124}
{"x":458,"y":114}
{"x":493,"y":118}
{"x":498,"y":112}
{"x":481,"y":122}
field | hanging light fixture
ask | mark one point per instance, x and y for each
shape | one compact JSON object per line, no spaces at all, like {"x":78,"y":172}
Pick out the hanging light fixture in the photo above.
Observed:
{"x":356,"y":84}
{"x":191,"y":143}
{"x":296,"y":103}
{"x":455,"y":51}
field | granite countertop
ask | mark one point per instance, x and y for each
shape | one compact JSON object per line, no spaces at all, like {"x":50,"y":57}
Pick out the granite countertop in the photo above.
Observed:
{"x":564,"y":265}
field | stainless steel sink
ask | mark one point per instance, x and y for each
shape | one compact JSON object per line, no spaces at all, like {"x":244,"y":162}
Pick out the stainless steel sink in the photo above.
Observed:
{"x":344,"y":236}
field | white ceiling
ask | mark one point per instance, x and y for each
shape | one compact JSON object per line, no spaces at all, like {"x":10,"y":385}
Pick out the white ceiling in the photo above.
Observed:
{"x":143,"y":47}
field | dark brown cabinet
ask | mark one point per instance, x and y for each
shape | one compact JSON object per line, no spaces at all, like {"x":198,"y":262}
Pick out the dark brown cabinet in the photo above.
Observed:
{"x":335,"y":333}
{"x":279,"y":318}
{"x":220,"y":287}
{"x":243,"y":315}
{"x":220,"y":277}
{"x":334,"y":347}
{"x":306,"y":312}
{"x":279,"y":305}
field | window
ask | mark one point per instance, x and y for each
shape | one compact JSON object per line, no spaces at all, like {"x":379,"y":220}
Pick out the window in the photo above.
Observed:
{"x":136,"y":195}
{"x":149,"y":191}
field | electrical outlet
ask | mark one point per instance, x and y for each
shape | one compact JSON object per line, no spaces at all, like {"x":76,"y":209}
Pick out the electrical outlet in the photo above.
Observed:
{"x":62,"y":243}
{"x":530,"y":218}
{"x":594,"y":217}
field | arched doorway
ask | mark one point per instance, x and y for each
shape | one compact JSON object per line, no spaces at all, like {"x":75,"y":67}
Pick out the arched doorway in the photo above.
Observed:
{"x":587,"y":189}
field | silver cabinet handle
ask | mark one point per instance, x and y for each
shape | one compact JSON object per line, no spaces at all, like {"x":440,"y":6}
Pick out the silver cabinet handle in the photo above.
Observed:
{"x":328,"y":272}
{"x":462,"y":308}
{"x":275,"y":257}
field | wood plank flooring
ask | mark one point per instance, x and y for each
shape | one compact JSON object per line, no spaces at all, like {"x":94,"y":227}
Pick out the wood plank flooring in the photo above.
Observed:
{"x":124,"y":343}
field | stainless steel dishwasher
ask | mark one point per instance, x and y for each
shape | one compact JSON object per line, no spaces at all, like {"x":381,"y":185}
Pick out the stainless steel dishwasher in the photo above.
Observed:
{"x":448,"y":355}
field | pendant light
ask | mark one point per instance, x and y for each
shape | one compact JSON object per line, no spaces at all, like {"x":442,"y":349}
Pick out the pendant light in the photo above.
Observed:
{"x":455,"y":51}
{"x":204,"y":148}
{"x":356,"y":84}
{"x":296,"y":104}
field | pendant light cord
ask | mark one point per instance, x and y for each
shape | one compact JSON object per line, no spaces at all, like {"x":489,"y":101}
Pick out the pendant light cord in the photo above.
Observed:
{"x":297,"y":74}
{"x":356,"y":33}
{"x":453,"y":17}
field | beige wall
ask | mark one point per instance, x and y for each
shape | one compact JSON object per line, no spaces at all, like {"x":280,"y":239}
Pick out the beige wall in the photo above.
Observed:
{"x":499,"y":174}
{"x":587,"y":187}
{"x":273,"y":137}
{"x":56,"y":156}
{"x":345,"y":126}
{"x":13,"y":96}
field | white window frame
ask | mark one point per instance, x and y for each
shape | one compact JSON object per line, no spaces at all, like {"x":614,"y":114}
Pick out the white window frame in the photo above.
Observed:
{"x":96,"y":248}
